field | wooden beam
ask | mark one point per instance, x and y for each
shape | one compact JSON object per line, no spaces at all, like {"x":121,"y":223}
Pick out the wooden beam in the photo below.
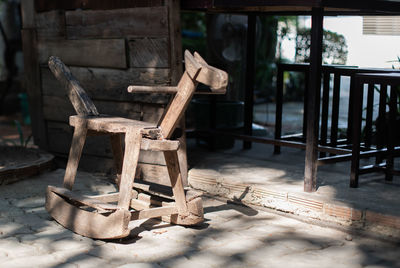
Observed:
{"x":128,"y":22}
{"x":153,"y":212}
{"x":159,"y":145}
{"x":250,"y":70}
{"x":152,"y":89}
{"x":310,"y":171}
{"x":89,"y":53}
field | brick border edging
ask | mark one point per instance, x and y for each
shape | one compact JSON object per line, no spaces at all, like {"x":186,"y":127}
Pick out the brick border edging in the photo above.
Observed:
{"x":293,"y":203}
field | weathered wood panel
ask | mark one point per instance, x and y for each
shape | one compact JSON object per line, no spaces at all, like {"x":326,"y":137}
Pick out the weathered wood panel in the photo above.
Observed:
{"x":60,"y":109}
{"x":153,"y":173}
{"x":149,"y":52}
{"x":89,"y":53}
{"x":175,"y":40}
{"x":46,"y":5}
{"x":111,"y":84}
{"x":88,"y":163}
{"x":137,"y":22}
{"x":60,"y":137}
{"x":50,"y":24}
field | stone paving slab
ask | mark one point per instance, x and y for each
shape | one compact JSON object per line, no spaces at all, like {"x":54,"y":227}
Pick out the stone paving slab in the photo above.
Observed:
{"x":232,"y":236}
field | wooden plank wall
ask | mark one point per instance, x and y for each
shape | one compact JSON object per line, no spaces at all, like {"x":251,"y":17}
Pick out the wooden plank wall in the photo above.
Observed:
{"x":108,"y":46}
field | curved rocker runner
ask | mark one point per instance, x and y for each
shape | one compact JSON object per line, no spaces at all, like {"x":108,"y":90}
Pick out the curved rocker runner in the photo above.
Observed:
{"x":107,"y":216}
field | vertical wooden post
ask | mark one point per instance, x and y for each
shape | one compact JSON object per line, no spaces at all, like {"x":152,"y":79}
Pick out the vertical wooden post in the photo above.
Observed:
{"x":335,"y":108}
{"x":390,"y":133}
{"x":305,"y":104}
{"x":381,"y":122}
{"x":249,"y":85}
{"x":356,"y":130}
{"x":350,"y":113}
{"x":133,"y":139}
{"x":368,"y":121}
{"x":118,"y":154}
{"x":325,"y":109}
{"x":314,"y":92}
{"x":171,"y":159}
{"x":279,"y":107}
{"x":75,"y":152}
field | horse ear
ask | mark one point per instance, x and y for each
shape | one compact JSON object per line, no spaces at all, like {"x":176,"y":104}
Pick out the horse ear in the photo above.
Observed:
{"x":199,"y":70}
{"x":199,"y":59}
{"x":191,"y":65}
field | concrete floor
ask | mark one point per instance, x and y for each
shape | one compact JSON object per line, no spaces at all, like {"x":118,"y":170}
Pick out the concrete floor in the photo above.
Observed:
{"x":259,"y":177}
{"x":231,"y":236}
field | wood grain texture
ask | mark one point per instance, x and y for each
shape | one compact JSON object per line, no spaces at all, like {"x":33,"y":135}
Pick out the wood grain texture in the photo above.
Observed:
{"x":81,"y":102}
{"x":153,"y":173}
{"x":111,"y":84}
{"x":50,"y":25}
{"x":89,"y":53}
{"x":216,"y":79}
{"x":60,"y":137}
{"x":110,"y":124}
{"x":178,"y":105}
{"x":128,"y":22}
{"x":59,"y":109}
{"x":153,"y":212}
{"x":83,"y":200}
{"x":74,"y":156}
{"x":159,"y":145}
{"x":150,"y":89}
{"x":149,"y":52}
{"x":171,"y":158}
{"x":86,"y":223}
{"x":175,"y":40}
{"x":133,"y":139}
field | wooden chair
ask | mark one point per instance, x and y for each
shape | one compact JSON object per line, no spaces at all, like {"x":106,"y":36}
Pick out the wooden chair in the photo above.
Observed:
{"x":107,"y":216}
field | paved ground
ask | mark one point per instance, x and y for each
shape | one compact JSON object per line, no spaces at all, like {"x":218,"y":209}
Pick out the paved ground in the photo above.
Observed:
{"x":232,"y":236}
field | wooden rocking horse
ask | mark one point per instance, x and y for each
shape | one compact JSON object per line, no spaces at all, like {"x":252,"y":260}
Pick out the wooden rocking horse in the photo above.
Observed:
{"x":107,"y":216}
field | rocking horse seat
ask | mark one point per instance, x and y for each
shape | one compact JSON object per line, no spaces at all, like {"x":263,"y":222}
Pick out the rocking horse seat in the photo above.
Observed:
{"x":105,"y":124}
{"x":110,"y":124}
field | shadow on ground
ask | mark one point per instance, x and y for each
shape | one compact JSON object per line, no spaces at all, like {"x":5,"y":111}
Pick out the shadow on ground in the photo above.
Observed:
{"x":232,"y":236}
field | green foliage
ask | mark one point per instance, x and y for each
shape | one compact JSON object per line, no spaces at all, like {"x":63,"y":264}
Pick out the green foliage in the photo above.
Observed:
{"x":265,"y":54}
{"x":23,"y":142}
{"x":194,"y":22}
{"x":334,"y":47}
